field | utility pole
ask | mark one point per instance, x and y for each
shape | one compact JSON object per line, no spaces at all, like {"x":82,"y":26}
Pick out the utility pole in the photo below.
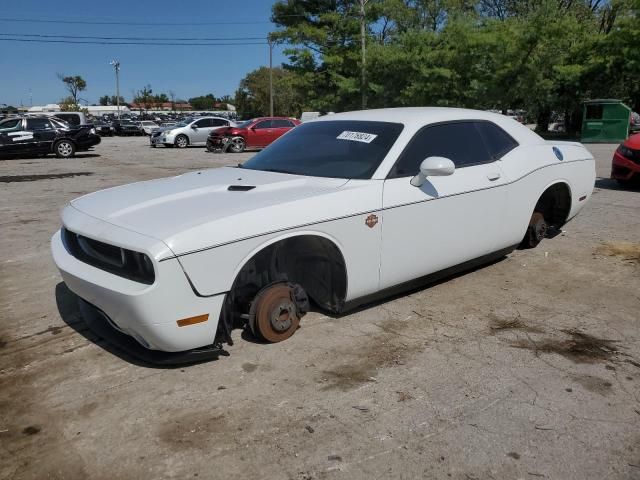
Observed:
{"x":116,"y":66}
{"x":363,"y":27}
{"x":270,"y":77}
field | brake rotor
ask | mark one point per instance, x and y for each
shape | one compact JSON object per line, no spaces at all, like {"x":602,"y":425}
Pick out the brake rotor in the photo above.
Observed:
{"x":274,"y":314}
{"x":538,"y":226}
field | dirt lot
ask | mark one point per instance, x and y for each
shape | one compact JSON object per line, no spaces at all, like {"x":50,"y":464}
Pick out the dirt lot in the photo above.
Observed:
{"x":527,"y":368}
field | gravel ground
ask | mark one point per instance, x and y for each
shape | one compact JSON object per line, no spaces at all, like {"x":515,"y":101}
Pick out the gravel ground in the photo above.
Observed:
{"x":526,"y":368}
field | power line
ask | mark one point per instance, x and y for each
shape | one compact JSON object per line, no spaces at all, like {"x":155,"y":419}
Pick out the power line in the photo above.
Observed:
{"x":87,"y":22}
{"x":91,"y":37}
{"x":150,"y":24}
{"x":157,"y":44}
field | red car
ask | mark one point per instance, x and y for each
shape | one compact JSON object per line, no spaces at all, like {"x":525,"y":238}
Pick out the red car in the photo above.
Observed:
{"x":626,"y":161}
{"x":256,"y":133}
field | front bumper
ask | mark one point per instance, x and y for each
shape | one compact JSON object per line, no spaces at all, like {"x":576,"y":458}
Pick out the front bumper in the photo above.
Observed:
{"x":623,"y":169}
{"x":100,"y":324}
{"x":155,"y":140}
{"x":162,"y":139}
{"x":147,"y":313}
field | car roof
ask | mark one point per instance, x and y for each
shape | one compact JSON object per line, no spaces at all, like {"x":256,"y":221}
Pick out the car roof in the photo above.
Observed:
{"x":208,"y":116}
{"x":414,"y":118}
{"x":270,"y":118}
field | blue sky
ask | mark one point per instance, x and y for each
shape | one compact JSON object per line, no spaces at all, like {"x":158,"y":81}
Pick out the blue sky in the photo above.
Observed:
{"x":188,"y":71}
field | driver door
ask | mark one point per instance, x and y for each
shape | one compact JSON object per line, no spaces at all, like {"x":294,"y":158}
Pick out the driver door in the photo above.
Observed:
{"x":449,"y":219}
{"x":261,"y":134}
{"x":43,"y":133}
{"x":201,"y":131}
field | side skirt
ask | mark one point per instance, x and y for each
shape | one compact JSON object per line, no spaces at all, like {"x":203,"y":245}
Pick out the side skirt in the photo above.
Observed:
{"x":426,"y":279}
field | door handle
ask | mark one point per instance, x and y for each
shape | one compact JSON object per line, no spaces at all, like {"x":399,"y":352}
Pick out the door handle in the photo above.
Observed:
{"x":493,"y":176}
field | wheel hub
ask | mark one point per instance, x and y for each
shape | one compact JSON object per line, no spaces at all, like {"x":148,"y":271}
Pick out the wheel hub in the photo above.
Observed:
{"x":540,"y":229}
{"x":281,"y":316}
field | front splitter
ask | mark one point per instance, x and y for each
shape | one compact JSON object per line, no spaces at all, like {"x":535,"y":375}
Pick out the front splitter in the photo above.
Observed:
{"x":99,"y":323}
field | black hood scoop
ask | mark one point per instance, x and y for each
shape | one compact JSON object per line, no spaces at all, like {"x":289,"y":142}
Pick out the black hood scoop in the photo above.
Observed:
{"x":240,"y":188}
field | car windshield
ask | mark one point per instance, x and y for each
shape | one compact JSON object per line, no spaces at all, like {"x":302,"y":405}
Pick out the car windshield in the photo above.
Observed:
{"x":244,"y":124}
{"x":185,"y":122}
{"x":335,"y":149}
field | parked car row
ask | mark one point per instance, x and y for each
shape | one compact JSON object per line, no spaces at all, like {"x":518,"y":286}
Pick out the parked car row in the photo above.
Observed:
{"x":212,"y":131}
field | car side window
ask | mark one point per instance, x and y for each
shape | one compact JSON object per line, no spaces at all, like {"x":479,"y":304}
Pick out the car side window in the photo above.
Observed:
{"x":10,"y":124}
{"x":460,"y":142}
{"x":38,"y":124}
{"x":218,"y":122}
{"x":202,"y":123}
{"x":263,"y":124}
{"x":70,"y":118}
{"x":281,"y":124}
{"x":497,"y":140}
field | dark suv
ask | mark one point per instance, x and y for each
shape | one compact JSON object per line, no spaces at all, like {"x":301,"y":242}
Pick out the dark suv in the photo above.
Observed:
{"x":44,"y":135}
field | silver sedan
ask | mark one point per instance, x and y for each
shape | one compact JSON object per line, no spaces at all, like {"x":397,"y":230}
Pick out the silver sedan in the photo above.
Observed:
{"x":191,"y":131}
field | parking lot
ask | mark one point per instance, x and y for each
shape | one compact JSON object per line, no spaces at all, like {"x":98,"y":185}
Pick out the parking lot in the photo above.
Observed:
{"x":526,"y":368}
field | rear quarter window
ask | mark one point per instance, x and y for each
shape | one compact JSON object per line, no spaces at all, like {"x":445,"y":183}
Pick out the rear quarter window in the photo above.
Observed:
{"x":498,"y":142}
{"x":10,"y":124}
{"x":70,"y":118}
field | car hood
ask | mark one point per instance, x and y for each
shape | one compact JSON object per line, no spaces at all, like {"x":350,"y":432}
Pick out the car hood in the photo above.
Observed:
{"x":633,"y":141}
{"x":199,"y":209}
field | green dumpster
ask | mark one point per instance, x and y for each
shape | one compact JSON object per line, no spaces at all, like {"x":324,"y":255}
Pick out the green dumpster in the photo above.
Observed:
{"x":605,"y":121}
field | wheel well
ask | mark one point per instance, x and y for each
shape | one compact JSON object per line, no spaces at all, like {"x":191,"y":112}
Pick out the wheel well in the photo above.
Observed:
{"x":314,"y":262}
{"x":555,"y":204}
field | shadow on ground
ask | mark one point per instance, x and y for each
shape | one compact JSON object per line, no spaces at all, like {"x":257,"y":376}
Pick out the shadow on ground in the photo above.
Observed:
{"x":611,"y":184}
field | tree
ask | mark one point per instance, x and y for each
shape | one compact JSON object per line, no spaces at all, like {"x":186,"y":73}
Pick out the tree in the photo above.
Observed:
{"x":110,"y":100}
{"x":74,"y":85}
{"x":252,"y":98}
{"x":67,"y":105}
{"x":228,"y":99}
{"x":205,"y":102}
{"x":144,"y":97}
{"x":543,"y":56}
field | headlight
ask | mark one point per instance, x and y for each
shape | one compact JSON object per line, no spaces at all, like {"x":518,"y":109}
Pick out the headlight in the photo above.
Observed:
{"x":167,"y":132}
{"x":625,"y":151}
{"x":143,"y":269}
{"x":93,"y":130}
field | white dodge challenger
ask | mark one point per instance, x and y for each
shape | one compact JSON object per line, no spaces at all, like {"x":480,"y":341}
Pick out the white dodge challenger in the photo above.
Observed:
{"x":338,"y":211}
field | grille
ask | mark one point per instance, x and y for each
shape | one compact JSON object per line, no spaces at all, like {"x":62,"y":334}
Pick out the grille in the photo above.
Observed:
{"x":125,"y":263}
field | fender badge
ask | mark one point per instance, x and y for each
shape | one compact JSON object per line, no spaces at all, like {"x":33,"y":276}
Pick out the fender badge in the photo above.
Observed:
{"x":371,"y":220}
{"x":558,"y":153}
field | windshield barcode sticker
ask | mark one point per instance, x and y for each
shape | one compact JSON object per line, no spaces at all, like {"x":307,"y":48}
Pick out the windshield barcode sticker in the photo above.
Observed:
{"x":357,"y":136}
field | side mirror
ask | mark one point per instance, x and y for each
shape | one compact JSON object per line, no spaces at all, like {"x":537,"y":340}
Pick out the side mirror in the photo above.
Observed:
{"x":433,"y":167}
{"x":194,"y":126}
